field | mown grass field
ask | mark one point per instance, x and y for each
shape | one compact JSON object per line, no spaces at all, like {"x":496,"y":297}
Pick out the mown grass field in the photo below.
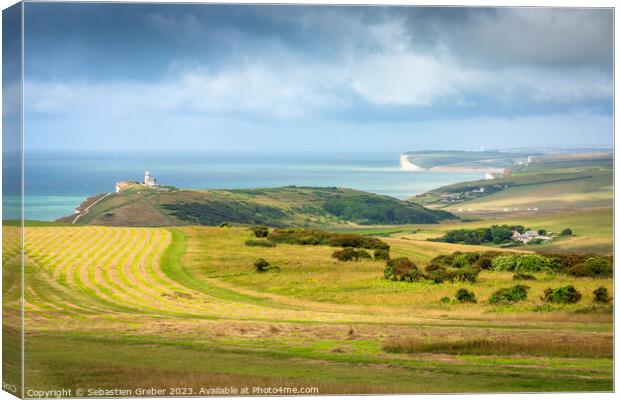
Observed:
{"x":133,"y":307}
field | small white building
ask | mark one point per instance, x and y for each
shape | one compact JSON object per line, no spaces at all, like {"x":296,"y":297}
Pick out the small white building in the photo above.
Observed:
{"x":525,"y":237}
{"x":149,"y":180}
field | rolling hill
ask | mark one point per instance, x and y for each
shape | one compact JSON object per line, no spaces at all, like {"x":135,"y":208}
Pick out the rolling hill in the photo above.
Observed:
{"x":286,"y":206}
{"x":561,"y":181}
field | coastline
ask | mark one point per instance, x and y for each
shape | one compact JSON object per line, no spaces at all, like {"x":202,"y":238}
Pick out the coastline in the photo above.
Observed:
{"x":376,"y":174}
{"x":407,"y":165}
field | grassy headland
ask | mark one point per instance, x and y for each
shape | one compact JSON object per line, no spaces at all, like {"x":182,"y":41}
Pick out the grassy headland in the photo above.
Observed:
{"x":286,"y":206}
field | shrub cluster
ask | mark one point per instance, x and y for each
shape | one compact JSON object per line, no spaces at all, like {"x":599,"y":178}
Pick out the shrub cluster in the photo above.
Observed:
{"x":509,"y":295}
{"x":481,"y":260}
{"x":262,"y":265}
{"x":402,"y":269}
{"x":520,"y":276}
{"x":350,"y":254}
{"x":358,"y":241}
{"x":578,"y":264}
{"x":595,"y":267}
{"x":523,"y":263}
{"x":493,"y":234}
{"x":465,"y":296}
{"x":466,"y":266}
{"x":601,"y":295}
{"x":435,"y":272}
{"x":574,"y":264}
{"x":459,"y":266}
{"x":260,"y":231}
{"x":315,"y":237}
{"x":565,"y":294}
{"x":381,"y":254}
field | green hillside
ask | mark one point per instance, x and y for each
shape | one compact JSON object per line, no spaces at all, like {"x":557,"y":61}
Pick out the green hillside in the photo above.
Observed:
{"x":286,"y":206}
{"x":545,"y":183}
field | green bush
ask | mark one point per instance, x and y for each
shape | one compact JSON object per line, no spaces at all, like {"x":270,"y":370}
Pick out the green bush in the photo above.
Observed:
{"x":465,"y":296}
{"x":601,"y":295}
{"x":505,"y":262}
{"x":381,"y":254}
{"x":259,"y":243}
{"x":519,"y":276}
{"x":441,"y":275}
{"x":509,"y":295}
{"x":445,"y":300}
{"x":402,"y":269}
{"x":313,"y":237}
{"x":485,"y":262}
{"x":261,"y":265}
{"x":260,"y":231}
{"x":496,"y":234}
{"x":533,"y":263}
{"x":469,"y":274}
{"x":432,"y":267}
{"x":523,"y":263}
{"x":414,"y":276}
{"x":595,"y":267}
{"x":357,"y":241}
{"x":438,"y":273}
{"x":463,"y":260}
{"x":566,"y":232}
{"x":445,"y":259}
{"x":350,"y":254}
{"x":565,"y":294}
{"x":564,"y":262}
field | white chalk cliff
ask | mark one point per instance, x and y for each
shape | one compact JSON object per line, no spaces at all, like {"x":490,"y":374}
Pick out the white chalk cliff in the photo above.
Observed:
{"x":407,"y":165}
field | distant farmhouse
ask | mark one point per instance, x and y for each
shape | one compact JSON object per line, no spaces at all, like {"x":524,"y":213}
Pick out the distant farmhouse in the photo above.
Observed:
{"x":149,"y":181}
{"x":528,"y":236}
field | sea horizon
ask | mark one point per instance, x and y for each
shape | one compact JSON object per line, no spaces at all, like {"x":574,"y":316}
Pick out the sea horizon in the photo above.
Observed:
{"x":55,"y":183}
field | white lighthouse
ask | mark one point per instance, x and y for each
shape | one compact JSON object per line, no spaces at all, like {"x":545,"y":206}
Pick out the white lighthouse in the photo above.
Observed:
{"x":149,"y":180}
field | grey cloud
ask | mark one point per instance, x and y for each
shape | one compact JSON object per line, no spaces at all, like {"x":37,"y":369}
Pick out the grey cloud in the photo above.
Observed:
{"x":552,"y":37}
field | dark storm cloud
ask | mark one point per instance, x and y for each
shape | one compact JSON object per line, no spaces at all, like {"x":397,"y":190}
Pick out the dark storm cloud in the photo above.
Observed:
{"x":123,"y":63}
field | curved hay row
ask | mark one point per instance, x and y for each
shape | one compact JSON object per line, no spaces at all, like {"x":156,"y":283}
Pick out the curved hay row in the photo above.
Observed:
{"x":105,"y":269}
{"x":11,"y":271}
{"x":115,"y":272}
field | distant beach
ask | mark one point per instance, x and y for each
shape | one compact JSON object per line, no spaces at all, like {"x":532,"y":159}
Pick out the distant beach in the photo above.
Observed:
{"x":407,"y":165}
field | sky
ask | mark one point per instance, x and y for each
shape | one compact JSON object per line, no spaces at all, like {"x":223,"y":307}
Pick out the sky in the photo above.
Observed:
{"x":306,"y":78}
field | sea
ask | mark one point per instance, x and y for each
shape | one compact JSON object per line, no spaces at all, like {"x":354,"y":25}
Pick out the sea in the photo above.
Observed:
{"x":56,"y":183}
